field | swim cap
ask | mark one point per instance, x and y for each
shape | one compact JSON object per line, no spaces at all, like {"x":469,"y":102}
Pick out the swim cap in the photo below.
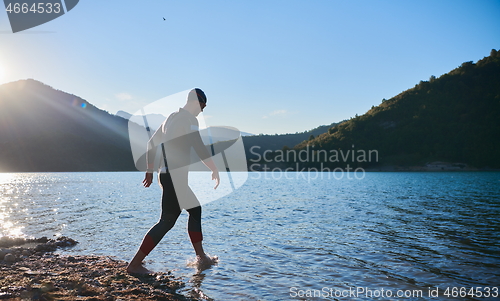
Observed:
{"x":197,"y":94}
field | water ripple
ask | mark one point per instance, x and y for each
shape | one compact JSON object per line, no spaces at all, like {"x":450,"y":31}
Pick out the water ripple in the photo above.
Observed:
{"x":389,"y":230}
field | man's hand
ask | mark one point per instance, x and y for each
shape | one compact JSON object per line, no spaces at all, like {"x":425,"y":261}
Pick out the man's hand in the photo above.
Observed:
{"x":148,"y":179}
{"x":215,"y":176}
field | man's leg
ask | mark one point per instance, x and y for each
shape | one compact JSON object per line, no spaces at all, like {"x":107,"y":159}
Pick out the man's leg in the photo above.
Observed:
{"x":152,"y":238}
{"x":135,"y":266}
{"x":194,"y":230}
{"x":196,"y":236}
{"x":169,"y":214}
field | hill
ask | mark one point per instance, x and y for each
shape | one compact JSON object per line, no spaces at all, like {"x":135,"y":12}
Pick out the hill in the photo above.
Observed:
{"x":453,"y":118}
{"x":43,"y":129}
{"x":257,"y":144}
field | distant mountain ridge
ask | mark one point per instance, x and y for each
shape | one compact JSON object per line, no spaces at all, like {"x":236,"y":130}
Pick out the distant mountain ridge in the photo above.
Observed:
{"x":155,"y":120}
{"x":256,"y":145}
{"x":43,"y":129}
{"x":453,"y":118}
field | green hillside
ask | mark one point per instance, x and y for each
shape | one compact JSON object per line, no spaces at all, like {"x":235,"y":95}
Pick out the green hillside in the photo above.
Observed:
{"x":258,"y":144}
{"x":453,"y":118}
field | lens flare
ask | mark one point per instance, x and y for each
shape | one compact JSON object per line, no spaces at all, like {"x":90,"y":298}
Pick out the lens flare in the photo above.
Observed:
{"x":2,"y":73}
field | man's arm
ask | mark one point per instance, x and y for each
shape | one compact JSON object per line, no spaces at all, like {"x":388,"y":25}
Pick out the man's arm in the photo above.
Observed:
{"x":150,"y":162}
{"x":205,"y":157}
{"x":148,"y":179}
{"x":215,"y":172}
{"x":152,"y":146}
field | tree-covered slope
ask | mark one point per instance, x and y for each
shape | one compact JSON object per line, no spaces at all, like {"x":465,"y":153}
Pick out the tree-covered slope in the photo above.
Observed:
{"x":452,"y":118}
{"x":257,"y":144}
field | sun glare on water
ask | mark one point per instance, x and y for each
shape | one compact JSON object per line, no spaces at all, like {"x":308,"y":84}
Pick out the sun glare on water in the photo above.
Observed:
{"x":7,"y":226}
{"x":6,"y":178}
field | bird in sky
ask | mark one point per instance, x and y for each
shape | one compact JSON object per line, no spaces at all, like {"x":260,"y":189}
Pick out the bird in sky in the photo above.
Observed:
{"x":164,"y":19}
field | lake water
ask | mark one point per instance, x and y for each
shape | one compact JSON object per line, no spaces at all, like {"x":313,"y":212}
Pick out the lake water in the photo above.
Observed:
{"x":303,"y":236}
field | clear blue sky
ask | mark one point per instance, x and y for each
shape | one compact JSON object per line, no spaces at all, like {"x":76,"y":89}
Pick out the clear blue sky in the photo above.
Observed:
{"x":267,"y":66}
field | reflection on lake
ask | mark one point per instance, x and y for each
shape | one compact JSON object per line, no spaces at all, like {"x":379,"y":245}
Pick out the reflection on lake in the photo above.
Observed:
{"x":396,"y":231}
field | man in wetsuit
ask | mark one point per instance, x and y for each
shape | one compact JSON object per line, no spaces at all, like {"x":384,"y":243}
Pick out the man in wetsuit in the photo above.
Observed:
{"x":177,"y":135}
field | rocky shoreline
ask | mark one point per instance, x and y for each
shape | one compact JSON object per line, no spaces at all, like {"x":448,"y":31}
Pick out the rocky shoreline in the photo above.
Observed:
{"x":29,"y":270}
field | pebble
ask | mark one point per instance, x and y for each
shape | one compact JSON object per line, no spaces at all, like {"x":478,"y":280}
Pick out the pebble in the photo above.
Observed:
{"x":104,"y":279}
{"x":4,"y":252}
{"x":9,"y":258}
{"x":6,"y":295}
{"x":47,"y":287}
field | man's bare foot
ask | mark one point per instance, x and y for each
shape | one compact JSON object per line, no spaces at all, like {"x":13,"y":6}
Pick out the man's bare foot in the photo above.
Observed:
{"x":138,"y":269}
{"x":204,"y":262}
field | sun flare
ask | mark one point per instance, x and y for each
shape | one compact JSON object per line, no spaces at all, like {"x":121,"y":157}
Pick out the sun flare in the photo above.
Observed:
{"x":2,"y":72}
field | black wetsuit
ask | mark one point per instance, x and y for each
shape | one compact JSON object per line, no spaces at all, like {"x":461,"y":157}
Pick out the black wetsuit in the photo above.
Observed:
{"x":179,"y":134}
